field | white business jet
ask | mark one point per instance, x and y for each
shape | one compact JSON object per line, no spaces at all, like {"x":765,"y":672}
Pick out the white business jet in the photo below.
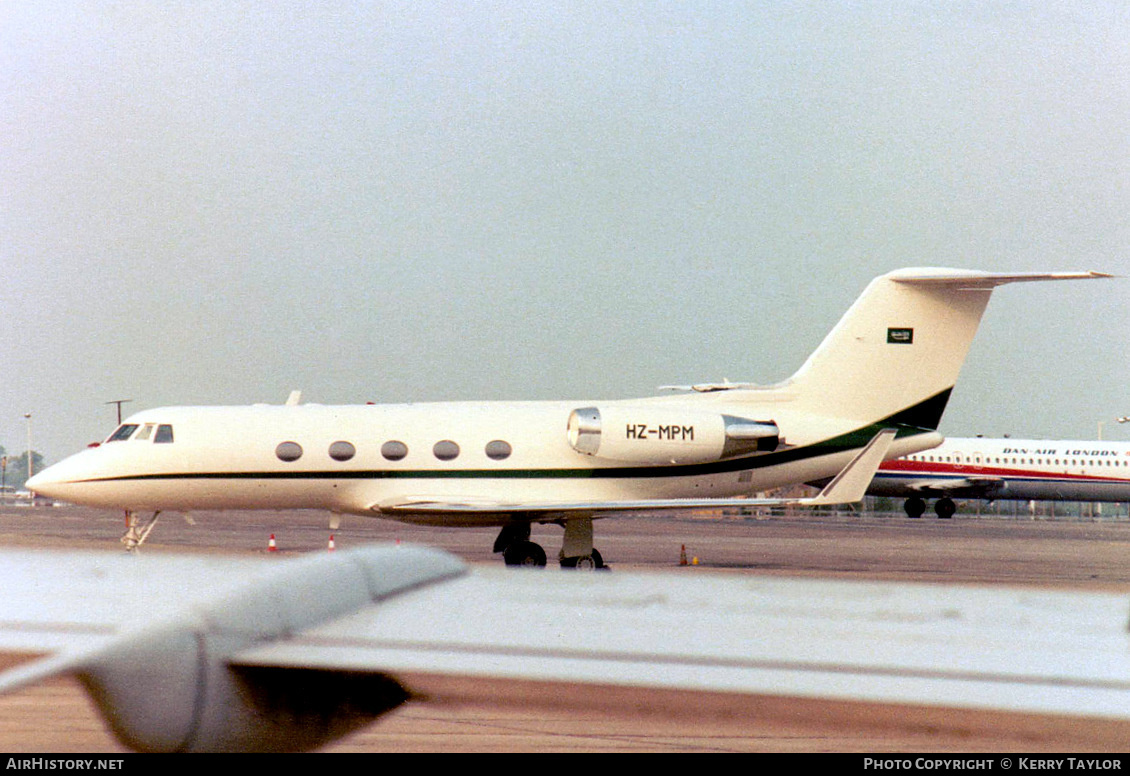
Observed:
{"x":889,"y":364}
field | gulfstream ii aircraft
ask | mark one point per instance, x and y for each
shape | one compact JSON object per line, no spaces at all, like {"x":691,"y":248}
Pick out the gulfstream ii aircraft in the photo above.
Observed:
{"x":888,"y":365}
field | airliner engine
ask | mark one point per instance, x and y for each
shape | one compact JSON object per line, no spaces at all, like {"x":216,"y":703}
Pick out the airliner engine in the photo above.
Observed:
{"x":657,"y":435}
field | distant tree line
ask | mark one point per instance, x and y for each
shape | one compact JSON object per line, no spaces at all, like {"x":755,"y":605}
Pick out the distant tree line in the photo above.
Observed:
{"x":13,"y":468}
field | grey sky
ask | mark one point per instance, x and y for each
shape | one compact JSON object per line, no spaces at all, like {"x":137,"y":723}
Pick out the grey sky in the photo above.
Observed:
{"x":217,"y":202}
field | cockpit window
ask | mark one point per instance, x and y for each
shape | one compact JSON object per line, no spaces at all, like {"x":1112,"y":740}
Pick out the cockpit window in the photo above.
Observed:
{"x":164,"y":434}
{"x":144,"y":434}
{"x":124,"y":431}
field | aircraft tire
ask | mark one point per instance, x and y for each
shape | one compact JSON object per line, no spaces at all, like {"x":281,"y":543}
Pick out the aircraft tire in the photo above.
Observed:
{"x":945,"y":508}
{"x":524,"y":554}
{"x":597,"y":562}
{"x":914,"y":507}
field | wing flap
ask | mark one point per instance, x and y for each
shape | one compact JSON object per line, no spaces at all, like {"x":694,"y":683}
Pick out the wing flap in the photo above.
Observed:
{"x":969,"y":486}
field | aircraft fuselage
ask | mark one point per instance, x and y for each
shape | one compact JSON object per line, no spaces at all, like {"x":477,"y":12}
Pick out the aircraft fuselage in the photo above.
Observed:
{"x":352,"y":459}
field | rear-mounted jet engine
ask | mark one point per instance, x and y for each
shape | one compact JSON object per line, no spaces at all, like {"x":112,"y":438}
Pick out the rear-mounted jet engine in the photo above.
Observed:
{"x":651,"y":435}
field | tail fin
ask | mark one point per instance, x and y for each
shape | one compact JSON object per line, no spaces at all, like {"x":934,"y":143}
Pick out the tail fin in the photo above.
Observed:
{"x":897,"y":352}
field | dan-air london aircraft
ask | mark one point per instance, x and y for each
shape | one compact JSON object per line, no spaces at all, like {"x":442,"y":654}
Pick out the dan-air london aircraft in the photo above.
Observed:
{"x":1014,"y":469}
{"x":889,"y":364}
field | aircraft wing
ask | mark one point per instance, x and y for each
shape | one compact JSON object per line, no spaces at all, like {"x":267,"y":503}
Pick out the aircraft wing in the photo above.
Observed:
{"x":847,"y":487}
{"x":282,"y":654}
{"x":964,"y":486}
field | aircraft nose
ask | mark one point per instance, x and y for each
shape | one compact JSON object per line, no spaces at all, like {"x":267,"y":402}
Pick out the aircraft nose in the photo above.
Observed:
{"x":59,"y":480}
{"x":42,"y":483}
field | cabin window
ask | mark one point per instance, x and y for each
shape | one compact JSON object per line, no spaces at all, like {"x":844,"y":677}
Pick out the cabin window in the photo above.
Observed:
{"x":164,"y":435}
{"x":124,"y":432}
{"x":289,"y":451}
{"x":446,"y":450}
{"x":342,"y":451}
{"x":498,"y":450}
{"x":394,"y":450}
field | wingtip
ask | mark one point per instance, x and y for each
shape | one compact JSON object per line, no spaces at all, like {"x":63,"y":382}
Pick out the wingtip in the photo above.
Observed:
{"x":850,"y":485}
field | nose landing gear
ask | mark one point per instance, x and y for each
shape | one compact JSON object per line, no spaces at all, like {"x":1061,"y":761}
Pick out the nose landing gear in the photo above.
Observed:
{"x":136,"y":534}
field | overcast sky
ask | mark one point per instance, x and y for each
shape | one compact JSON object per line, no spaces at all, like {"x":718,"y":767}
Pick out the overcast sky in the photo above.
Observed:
{"x":218,"y":202}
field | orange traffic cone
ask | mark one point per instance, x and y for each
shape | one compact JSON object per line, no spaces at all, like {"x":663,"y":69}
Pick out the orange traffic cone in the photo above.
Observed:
{"x":271,"y":544}
{"x":683,"y":556}
{"x":331,"y":545}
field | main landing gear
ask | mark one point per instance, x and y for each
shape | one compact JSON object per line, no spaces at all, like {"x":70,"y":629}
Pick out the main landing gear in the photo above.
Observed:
{"x":944,"y":508}
{"x":577,"y":551}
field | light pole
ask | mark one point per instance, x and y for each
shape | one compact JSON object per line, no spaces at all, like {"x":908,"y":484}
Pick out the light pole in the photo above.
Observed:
{"x":28,"y":416}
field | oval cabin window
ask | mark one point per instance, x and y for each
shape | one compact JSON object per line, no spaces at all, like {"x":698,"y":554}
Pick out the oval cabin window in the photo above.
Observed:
{"x":342,"y":451}
{"x":394,"y":450}
{"x":446,"y":450}
{"x":289,"y":451}
{"x":498,"y":450}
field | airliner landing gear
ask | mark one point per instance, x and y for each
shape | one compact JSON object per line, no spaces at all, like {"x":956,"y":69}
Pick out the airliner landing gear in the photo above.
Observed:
{"x":914,"y":507}
{"x":135,"y":534}
{"x":944,"y":508}
{"x":517,"y":550}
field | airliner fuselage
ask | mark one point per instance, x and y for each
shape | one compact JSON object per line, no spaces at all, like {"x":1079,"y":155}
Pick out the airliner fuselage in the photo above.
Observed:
{"x":1015,"y":469}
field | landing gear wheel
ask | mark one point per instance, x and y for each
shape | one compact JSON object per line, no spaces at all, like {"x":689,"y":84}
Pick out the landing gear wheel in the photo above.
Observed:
{"x":914,"y":507}
{"x":585,"y":562}
{"x":524,"y":554}
{"x":945,"y":508}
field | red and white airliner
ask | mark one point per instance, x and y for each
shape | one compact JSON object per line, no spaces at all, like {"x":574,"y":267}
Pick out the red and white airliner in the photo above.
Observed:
{"x":1014,"y":469}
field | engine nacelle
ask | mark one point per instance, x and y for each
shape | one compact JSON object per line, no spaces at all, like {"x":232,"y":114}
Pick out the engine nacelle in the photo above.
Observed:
{"x":662,"y":435}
